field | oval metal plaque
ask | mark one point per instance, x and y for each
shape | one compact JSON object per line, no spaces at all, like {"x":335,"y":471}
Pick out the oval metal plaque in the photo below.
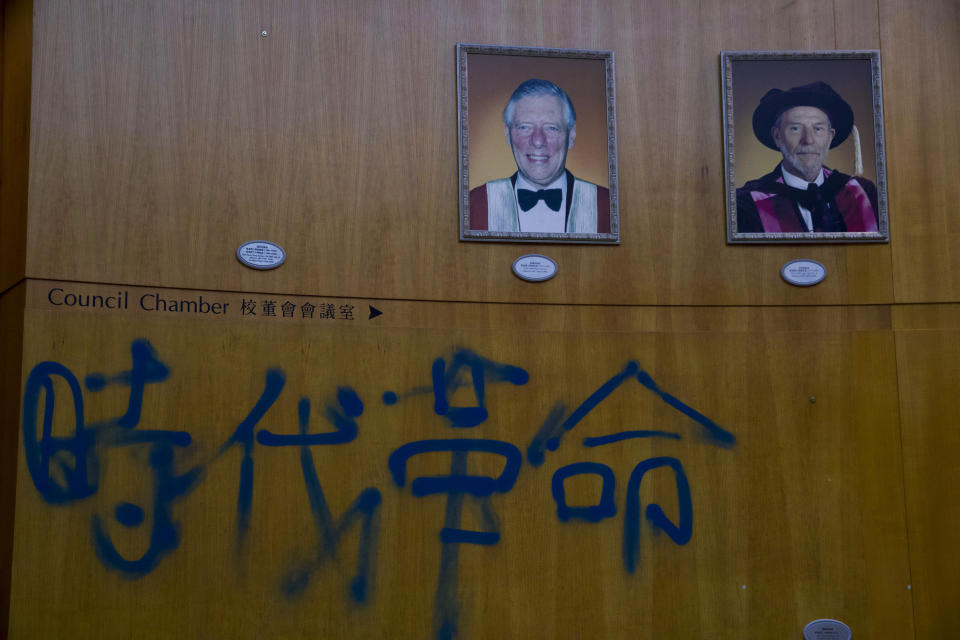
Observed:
{"x":534,"y":267}
{"x":261,"y":254}
{"x":826,"y":629}
{"x":803,"y":273}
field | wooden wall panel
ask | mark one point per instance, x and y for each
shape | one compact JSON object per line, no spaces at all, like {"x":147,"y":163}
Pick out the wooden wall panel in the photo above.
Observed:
{"x":928,"y":353}
{"x":922,"y":65}
{"x":792,"y":516}
{"x":165,"y":135}
{"x":11,"y":348}
{"x":162,"y":135}
{"x":15,"y":73}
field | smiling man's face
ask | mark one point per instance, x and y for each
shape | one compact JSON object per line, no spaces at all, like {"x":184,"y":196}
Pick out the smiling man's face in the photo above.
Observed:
{"x":539,"y":138}
{"x":803,"y":137}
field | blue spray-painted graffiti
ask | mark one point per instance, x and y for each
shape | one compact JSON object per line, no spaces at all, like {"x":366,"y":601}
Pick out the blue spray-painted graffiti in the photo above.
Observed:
{"x":329,"y":530}
{"x":76,"y":458}
{"x":458,"y":484}
{"x":67,"y":469}
{"x":558,"y":423}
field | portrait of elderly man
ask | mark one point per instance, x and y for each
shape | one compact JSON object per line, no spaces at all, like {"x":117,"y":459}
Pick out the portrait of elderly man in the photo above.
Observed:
{"x":802,"y":194}
{"x":540,"y":125}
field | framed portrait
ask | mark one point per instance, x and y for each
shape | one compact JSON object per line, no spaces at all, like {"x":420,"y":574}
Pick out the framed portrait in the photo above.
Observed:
{"x":803,"y":147}
{"x":538,"y":145}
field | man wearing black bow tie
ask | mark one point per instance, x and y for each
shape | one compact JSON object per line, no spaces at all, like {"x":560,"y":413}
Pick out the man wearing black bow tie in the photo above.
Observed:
{"x":542,"y":196}
{"x":802,"y":195}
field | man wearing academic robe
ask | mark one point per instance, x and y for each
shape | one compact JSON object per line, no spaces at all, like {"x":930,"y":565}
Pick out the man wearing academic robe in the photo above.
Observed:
{"x":802,"y":195}
{"x":542,"y":196}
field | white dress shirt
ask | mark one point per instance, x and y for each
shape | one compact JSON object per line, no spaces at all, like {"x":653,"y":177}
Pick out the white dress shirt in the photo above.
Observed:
{"x":799,"y":183}
{"x":542,"y":218}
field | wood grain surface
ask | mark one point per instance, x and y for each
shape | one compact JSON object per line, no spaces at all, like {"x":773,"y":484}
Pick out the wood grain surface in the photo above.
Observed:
{"x":11,"y":349}
{"x":928,"y":352}
{"x":165,"y":135}
{"x":162,"y":135}
{"x":792,"y":516}
{"x":921,"y":55}
{"x":15,"y":73}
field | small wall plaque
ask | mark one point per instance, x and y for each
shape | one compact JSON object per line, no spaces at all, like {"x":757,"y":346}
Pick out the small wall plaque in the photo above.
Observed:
{"x":826,"y":629}
{"x":261,"y":254}
{"x":803,"y":273}
{"x":534,"y":267}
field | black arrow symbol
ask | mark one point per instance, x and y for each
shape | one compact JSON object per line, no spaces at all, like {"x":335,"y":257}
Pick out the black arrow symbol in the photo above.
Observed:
{"x":374,"y":312}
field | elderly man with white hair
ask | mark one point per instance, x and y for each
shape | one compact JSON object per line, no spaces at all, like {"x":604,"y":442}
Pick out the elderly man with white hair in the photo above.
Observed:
{"x":540,"y":125}
{"x":802,"y":195}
